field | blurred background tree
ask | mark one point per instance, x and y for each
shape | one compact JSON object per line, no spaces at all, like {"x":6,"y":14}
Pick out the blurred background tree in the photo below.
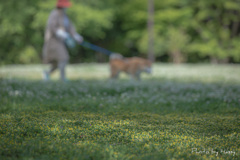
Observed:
{"x":185,"y":31}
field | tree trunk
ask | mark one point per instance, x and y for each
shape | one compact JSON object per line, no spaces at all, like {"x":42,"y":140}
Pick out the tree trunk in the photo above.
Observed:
{"x":151,"y":30}
{"x":177,"y":57}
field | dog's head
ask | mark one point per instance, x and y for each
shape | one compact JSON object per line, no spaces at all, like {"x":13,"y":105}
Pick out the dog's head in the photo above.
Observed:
{"x":116,"y":56}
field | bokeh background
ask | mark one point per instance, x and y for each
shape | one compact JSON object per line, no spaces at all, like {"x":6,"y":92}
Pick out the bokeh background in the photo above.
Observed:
{"x":185,"y":31}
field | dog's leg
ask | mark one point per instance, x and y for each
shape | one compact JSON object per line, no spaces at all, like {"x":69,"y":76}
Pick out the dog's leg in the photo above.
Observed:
{"x":137,"y":75}
{"x":114,"y":74}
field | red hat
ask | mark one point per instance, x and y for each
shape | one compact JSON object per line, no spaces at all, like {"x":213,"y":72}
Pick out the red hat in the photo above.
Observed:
{"x":63,"y":3}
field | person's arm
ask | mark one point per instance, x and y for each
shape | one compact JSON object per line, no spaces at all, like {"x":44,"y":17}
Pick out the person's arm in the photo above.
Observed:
{"x":77,"y":37}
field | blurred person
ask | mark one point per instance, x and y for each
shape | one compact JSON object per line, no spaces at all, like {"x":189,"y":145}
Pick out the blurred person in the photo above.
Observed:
{"x":59,"y":33}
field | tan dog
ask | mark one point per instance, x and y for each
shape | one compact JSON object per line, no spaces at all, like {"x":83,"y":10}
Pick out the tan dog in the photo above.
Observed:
{"x":133,"y":66}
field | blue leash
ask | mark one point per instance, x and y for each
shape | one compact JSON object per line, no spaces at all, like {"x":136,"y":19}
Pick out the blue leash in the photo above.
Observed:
{"x":95,"y":48}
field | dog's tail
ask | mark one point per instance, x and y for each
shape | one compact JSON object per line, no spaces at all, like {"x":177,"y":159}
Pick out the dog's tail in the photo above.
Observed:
{"x":116,"y":56}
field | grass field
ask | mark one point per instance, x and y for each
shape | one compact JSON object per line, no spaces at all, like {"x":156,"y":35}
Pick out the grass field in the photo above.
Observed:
{"x":179,"y":112}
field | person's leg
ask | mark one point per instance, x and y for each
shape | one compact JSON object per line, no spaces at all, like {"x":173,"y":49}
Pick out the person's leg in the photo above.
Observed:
{"x":61,"y":66}
{"x":53,"y":67}
{"x":46,"y":74}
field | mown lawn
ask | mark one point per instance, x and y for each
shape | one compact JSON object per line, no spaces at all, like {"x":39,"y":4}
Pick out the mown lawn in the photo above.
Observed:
{"x":179,"y":112}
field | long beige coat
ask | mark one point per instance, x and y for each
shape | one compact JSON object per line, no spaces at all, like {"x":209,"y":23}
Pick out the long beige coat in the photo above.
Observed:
{"x":54,"y":49}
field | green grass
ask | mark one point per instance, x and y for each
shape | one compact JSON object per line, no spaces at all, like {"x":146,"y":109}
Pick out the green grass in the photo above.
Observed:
{"x":179,"y":112}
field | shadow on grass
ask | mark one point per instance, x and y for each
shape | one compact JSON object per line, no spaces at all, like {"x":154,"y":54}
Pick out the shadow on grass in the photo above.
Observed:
{"x":136,"y":135}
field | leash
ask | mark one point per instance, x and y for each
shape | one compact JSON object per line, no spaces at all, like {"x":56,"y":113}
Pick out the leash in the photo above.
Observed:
{"x":96,"y":48}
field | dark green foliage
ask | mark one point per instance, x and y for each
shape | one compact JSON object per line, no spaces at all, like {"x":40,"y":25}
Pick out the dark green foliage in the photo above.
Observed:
{"x":185,"y":31}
